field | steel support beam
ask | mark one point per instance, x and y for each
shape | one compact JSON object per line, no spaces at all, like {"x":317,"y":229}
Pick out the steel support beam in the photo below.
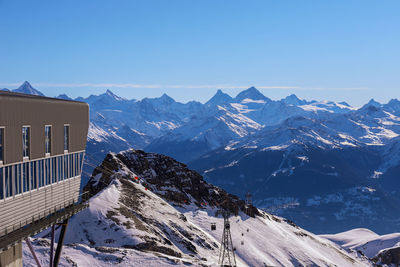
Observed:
{"x":28,"y":242}
{"x":52,"y":245}
{"x":60,"y":242}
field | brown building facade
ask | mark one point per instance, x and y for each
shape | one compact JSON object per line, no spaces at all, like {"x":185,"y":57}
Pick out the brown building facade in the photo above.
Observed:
{"x":42,"y":148}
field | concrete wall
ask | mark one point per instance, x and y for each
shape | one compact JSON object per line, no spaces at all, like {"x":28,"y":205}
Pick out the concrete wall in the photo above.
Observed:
{"x":12,"y":257}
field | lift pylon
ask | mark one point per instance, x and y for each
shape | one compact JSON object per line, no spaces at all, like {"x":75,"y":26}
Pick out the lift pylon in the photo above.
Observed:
{"x":227,"y":253}
{"x":249,"y":205}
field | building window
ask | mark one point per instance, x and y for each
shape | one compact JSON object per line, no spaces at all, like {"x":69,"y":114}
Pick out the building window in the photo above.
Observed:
{"x":47,"y":140}
{"x":66,"y":138}
{"x":1,"y":145}
{"x":26,"y":141}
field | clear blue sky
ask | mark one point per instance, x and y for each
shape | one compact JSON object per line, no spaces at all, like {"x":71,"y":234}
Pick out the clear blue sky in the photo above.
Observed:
{"x":339,"y":50}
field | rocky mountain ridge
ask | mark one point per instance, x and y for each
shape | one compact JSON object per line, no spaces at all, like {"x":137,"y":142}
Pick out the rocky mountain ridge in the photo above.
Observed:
{"x":170,"y":179}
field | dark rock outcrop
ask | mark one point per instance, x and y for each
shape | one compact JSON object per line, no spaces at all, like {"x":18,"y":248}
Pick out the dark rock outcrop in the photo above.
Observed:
{"x":389,"y":256}
{"x":170,"y":179}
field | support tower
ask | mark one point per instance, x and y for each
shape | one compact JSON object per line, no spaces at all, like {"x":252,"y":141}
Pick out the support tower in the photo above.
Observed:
{"x":227,"y":252}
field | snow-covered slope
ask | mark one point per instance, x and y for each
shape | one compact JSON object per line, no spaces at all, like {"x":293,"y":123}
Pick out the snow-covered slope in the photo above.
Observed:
{"x":151,"y":210}
{"x":201,"y":135}
{"x":370,"y":244}
{"x":151,"y":116}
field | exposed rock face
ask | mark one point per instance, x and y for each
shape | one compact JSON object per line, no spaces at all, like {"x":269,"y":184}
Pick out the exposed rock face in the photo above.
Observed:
{"x":170,"y":179}
{"x":389,"y":257}
{"x":133,"y":218}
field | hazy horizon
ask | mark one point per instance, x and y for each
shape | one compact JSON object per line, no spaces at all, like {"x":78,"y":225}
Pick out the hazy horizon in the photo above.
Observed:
{"x":226,"y":91}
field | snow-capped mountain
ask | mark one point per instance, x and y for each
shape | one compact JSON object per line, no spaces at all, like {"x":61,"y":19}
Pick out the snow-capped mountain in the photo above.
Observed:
{"x":252,"y":111}
{"x":338,"y":169}
{"x":326,"y":165}
{"x":165,"y":124}
{"x":151,"y":117}
{"x":203,"y":134}
{"x":149,"y":209}
{"x":118,"y":123}
{"x":26,"y":88}
{"x":253,"y":95}
{"x":393,"y":106}
{"x":294,"y":100}
{"x":220,"y":98}
{"x":64,"y":96}
{"x":382,"y":249}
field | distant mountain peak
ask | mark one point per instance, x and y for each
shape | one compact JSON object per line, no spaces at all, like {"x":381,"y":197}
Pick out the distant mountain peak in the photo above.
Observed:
{"x":112,"y":95}
{"x":374,"y":103}
{"x":394,"y":101}
{"x":219,"y":98}
{"x":26,"y":88}
{"x":293,"y":100}
{"x":251,"y":93}
{"x":372,"y":106}
{"x":64,"y":96}
{"x":393,"y":106}
{"x":167,"y":98}
{"x":26,"y":85}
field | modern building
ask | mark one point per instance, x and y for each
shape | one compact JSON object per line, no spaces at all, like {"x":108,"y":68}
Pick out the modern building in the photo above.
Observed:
{"x":42,"y":147}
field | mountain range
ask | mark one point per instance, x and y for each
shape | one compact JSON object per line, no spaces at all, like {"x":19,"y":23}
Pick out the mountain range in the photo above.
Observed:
{"x":328,"y":166}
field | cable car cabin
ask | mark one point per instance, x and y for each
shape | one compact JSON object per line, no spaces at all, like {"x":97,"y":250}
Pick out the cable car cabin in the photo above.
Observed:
{"x":42,"y":144}
{"x":213,"y":226}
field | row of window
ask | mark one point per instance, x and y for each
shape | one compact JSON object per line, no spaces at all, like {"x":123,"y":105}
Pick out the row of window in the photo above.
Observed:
{"x":26,"y":141}
{"x":23,"y":177}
